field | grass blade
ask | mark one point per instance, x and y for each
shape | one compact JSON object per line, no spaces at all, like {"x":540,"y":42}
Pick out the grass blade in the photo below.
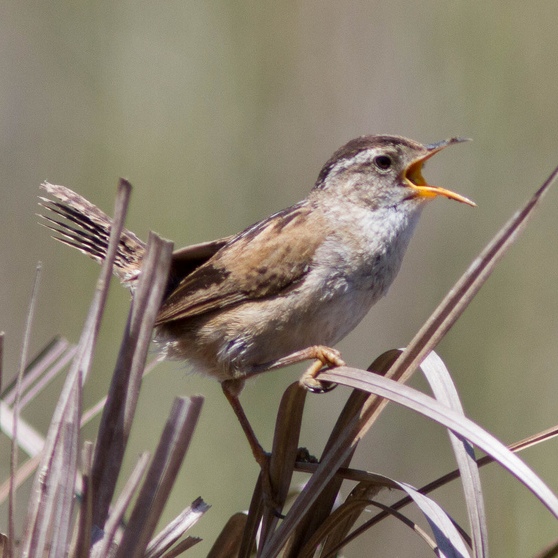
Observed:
{"x":444,"y":390}
{"x":176,"y":529}
{"x":16,"y":410}
{"x":61,"y":441}
{"x":119,"y":409}
{"x":459,"y":424}
{"x":168,"y":457}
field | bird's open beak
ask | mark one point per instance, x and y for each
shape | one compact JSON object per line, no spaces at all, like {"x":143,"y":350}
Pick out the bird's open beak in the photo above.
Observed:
{"x":413,"y":175}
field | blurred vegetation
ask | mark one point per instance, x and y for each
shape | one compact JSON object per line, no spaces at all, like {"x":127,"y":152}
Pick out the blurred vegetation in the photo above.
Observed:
{"x":221,"y":113}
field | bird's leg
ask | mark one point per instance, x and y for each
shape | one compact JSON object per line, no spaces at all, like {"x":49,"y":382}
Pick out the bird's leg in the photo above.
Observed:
{"x":232,"y":389}
{"x":324,"y":356}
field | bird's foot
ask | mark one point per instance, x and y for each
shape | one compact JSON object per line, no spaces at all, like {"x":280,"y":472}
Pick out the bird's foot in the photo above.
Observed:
{"x":326,"y":357}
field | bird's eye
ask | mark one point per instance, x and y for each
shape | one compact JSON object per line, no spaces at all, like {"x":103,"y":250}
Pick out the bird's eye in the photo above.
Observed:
{"x":383,"y":162}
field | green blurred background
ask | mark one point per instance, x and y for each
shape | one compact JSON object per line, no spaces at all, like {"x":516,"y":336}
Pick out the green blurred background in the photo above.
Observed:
{"x":223,"y":112}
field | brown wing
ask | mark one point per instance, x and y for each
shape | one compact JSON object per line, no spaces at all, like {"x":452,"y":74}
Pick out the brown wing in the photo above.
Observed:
{"x":260,"y":262}
{"x":187,"y":259}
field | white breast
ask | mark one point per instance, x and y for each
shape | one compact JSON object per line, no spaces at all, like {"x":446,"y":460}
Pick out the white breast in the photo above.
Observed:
{"x":352,"y":270}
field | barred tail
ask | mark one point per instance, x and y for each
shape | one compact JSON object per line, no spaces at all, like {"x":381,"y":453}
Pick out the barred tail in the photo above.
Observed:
{"x":89,"y":231}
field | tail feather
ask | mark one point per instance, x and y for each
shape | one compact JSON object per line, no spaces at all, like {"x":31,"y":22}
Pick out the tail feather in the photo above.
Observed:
{"x":89,"y":231}
{"x":87,"y":239}
{"x":75,"y":238}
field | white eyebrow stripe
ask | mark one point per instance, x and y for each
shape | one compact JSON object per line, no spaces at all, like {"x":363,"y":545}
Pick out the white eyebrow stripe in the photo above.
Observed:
{"x":363,"y":156}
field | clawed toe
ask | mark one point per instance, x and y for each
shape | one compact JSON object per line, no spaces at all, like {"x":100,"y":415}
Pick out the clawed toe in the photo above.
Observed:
{"x":316,"y":386}
{"x":329,"y":357}
{"x":326,"y":357}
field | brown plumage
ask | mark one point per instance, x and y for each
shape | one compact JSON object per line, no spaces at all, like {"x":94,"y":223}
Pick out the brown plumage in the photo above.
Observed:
{"x":300,"y":278}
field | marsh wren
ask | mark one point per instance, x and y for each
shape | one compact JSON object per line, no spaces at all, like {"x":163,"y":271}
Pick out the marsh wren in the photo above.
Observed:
{"x":290,"y":286}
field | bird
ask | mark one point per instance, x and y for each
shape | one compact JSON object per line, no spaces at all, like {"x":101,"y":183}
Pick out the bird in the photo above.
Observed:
{"x":289,"y":287}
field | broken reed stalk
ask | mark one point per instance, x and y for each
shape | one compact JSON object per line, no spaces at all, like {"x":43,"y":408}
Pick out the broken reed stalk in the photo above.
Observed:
{"x":51,"y":517}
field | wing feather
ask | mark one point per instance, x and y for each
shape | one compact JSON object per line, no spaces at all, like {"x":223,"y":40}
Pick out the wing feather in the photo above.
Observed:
{"x":262,"y":261}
